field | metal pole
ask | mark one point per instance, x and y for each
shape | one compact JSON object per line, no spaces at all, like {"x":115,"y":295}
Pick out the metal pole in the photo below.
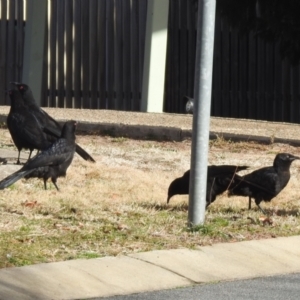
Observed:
{"x":201,"y":116}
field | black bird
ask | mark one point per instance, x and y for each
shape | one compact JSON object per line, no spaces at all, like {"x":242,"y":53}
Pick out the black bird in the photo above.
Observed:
{"x":51,"y":163}
{"x":24,"y":127}
{"x":265,"y":183}
{"x":47,"y":123}
{"x":219,"y":179}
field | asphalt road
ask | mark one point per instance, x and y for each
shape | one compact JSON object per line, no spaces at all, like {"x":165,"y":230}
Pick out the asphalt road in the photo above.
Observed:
{"x":267,"y":288}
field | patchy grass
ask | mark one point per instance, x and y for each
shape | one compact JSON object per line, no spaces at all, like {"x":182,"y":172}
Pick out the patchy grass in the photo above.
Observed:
{"x":118,"y":205}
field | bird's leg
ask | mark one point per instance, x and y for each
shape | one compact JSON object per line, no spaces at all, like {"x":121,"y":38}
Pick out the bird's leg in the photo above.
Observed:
{"x":263,"y":211}
{"x":29,"y":154}
{"x":210,"y":193}
{"x":249,"y":205}
{"x":45,"y":184}
{"x":257,"y":202}
{"x":18,"y":160}
{"x":54,"y":182}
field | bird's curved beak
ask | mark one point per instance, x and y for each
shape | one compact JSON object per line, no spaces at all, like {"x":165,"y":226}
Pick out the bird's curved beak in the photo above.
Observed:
{"x":295,"y":157}
{"x":169,"y":197}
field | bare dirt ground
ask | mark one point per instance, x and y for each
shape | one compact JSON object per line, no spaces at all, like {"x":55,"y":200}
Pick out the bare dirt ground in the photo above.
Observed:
{"x":118,"y":205}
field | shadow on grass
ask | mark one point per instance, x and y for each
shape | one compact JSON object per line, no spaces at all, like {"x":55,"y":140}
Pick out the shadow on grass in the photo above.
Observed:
{"x":278,"y":212}
{"x":160,"y":207}
{"x":271,"y":212}
{"x":287,"y":212}
{"x":12,"y":161}
{"x":236,"y":213}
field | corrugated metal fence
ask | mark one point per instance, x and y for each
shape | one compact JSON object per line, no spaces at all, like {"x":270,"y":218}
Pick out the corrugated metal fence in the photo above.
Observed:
{"x":94,"y":57}
{"x":250,"y":79}
{"x":96,"y":49}
{"x":11,"y":43}
{"x":102,"y":66}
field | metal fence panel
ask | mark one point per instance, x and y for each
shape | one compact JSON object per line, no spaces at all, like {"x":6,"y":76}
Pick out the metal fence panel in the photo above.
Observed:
{"x":95,"y":52}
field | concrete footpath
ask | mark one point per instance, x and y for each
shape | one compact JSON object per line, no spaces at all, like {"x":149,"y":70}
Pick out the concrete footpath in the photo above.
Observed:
{"x":166,"y":126}
{"x":150,"y":271}
{"x":165,"y":269}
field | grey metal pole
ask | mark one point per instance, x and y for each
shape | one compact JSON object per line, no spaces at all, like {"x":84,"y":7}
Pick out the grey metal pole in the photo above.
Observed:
{"x":201,"y":115}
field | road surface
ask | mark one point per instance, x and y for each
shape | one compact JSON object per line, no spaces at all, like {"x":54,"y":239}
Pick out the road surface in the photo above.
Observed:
{"x":285,"y":287}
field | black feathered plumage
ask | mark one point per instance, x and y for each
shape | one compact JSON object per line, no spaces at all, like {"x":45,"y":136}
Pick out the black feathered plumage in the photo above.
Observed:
{"x":265,"y":183}
{"x":50,"y":163}
{"x":24,"y":127}
{"x":219,"y":179}
{"x":46,"y":122}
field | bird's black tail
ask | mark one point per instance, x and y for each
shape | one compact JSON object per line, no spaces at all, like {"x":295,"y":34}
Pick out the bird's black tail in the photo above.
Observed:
{"x":80,"y":151}
{"x":83,"y":153}
{"x":11,"y":179}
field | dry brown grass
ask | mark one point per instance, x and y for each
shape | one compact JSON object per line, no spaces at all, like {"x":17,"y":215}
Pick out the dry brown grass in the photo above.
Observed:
{"x":118,"y":205}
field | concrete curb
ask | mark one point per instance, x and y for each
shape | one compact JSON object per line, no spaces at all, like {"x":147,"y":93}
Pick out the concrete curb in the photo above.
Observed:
{"x":135,"y":131}
{"x":164,"y":133}
{"x":150,"y":271}
{"x":253,"y":138}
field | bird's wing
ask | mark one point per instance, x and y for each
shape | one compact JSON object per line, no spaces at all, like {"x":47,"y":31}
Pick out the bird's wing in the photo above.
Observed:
{"x":59,"y":152}
{"x":213,"y":171}
{"x":26,"y":131}
{"x":50,"y":122}
{"x":264,"y":180}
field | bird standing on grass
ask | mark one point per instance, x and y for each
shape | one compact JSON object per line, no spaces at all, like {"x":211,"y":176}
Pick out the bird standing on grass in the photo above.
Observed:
{"x":51,"y":163}
{"x":45,"y":121}
{"x":24,"y":127}
{"x":265,"y":183}
{"x":219,"y":179}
